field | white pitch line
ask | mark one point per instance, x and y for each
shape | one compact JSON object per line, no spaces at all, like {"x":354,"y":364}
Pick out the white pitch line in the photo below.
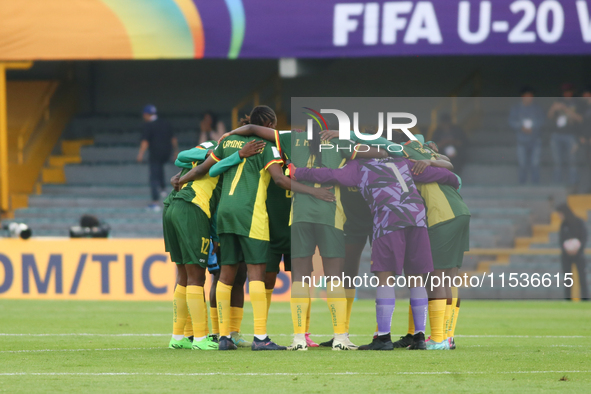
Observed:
{"x":281,"y":335}
{"x":277,"y":373}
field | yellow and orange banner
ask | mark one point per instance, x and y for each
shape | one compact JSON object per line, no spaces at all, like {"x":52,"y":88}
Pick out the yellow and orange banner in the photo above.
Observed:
{"x":100,"y":29}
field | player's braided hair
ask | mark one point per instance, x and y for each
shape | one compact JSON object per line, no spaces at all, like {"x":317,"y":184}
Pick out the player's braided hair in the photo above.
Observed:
{"x":260,"y":115}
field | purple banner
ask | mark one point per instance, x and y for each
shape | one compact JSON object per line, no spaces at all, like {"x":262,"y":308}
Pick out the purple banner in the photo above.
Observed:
{"x":341,"y":28}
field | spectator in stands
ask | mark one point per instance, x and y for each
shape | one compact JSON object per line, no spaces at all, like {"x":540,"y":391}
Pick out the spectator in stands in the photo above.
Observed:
{"x":566,"y":119}
{"x":585,"y":131}
{"x":527,"y":118}
{"x":573,"y":237}
{"x":451,"y":141}
{"x":210,"y":128}
{"x":159,"y":140}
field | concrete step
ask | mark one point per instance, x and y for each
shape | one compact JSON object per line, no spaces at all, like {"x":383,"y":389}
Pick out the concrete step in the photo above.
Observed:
{"x":90,"y":190}
{"x":87,"y":201}
{"x":508,"y":155}
{"x":113,"y":174}
{"x":109,"y":154}
{"x":541,"y":208}
{"x":488,"y":239}
{"x":503,"y":174}
{"x":84,"y":127}
{"x":514,"y":192}
{"x":133,"y":138}
{"x":57,"y":211}
{"x":515,"y":214}
{"x":534,"y":259}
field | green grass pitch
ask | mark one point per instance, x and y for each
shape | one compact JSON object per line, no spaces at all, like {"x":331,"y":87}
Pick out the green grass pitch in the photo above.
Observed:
{"x":75,"y":346}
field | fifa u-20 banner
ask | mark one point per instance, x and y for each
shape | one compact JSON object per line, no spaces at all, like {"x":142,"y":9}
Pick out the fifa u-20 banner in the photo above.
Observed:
{"x":94,"y":269}
{"x":184,"y":29}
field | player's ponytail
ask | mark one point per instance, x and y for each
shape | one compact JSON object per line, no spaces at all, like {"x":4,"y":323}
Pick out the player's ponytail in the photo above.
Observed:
{"x":261,"y":115}
{"x":244,"y":121}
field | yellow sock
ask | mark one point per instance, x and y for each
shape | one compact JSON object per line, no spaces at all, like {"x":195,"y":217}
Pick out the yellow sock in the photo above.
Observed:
{"x":205,"y":317}
{"x":337,"y":305}
{"x":179,"y":310}
{"x":269,"y":294}
{"x":436,"y":318}
{"x":198,"y":310}
{"x":455,"y":321}
{"x":411,"y":322}
{"x":258,"y":299}
{"x":308,"y":314}
{"x":236,"y":315}
{"x":222,"y":296}
{"x":350,"y":294}
{"x":447,"y":319}
{"x":300,"y":306}
{"x":454,"y":311}
{"x":188,"y":325}
{"x":215,"y":325}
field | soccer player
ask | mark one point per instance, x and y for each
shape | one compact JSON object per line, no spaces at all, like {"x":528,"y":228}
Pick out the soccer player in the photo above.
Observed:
{"x":418,"y":150}
{"x":243,"y":224}
{"x":237,"y":294}
{"x":182,"y":327}
{"x":357,"y":229}
{"x":448,"y":221}
{"x":188,"y":234}
{"x":278,"y":207}
{"x":319,"y":224}
{"x":181,"y":241}
{"x":400,"y":238}
{"x":284,"y":143}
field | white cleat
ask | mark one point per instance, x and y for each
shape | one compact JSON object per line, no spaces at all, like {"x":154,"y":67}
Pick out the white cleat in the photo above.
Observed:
{"x":342,"y":342}
{"x":299,"y":343}
{"x":350,"y":344}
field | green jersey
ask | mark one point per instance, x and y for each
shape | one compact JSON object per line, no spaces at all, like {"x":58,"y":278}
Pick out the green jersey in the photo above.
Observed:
{"x":185,"y":160}
{"x":279,"y":207}
{"x":242,"y":208}
{"x":204,"y":192}
{"x":173,"y":192}
{"x":283,"y":143}
{"x":334,"y":155}
{"x":443,"y":202}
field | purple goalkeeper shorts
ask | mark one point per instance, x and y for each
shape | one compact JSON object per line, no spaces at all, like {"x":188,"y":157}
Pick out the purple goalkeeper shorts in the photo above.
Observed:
{"x":407,"y":249}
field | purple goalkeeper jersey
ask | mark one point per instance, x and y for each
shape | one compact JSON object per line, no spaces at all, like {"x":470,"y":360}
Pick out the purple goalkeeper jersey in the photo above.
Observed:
{"x":394,"y":205}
